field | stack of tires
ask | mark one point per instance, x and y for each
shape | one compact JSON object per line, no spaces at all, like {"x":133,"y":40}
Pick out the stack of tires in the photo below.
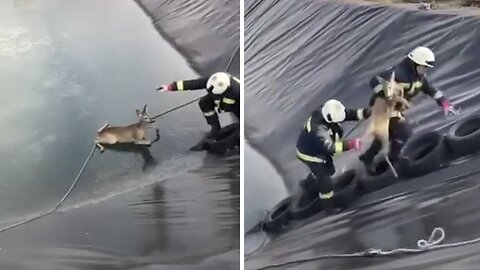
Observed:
{"x":424,"y":153}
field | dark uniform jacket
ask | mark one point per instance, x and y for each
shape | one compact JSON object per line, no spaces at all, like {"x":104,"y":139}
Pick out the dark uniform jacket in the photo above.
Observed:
{"x":229,"y":101}
{"x":319,"y":140}
{"x":405,"y":75}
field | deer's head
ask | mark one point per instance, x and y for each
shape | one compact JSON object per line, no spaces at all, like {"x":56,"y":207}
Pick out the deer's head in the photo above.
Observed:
{"x":143,"y":115}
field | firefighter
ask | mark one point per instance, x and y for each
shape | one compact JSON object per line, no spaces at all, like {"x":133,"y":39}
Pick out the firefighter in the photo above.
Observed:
{"x":410,"y":73}
{"x":223,"y":95}
{"x":321,"y":138}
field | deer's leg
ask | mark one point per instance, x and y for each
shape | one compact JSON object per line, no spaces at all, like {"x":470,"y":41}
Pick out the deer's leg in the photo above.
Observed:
{"x":101,"y":147}
{"x":105,"y":139}
{"x":379,"y":130}
{"x":142,"y":139}
{"x":369,"y":155}
{"x":97,"y":143}
{"x":143,"y":142}
{"x":382,"y":132}
{"x":103,"y":127}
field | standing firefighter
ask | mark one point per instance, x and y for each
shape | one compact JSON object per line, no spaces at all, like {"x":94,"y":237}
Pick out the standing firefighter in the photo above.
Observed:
{"x":410,"y":75}
{"x":319,"y":140}
{"x":223,"y":95}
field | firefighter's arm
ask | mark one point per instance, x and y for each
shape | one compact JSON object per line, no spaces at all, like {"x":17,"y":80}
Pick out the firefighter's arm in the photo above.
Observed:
{"x":357,"y":115}
{"x":432,"y":92}
{"x":185,"y":85}
{"x":328,"y":145}
{"x":439,"y":98}
{"x":336,"y":147}
{"x":344,"y":146}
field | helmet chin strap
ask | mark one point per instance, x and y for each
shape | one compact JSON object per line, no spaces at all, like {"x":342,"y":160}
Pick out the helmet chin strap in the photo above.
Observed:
{"x":329,"y":118}
{"x":210,"y":89}
{"x":214,"y":96}
{"x":329,"y":121}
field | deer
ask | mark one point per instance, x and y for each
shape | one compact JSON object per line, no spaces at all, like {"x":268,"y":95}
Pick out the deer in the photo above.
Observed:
{"x":381,"y":112}
{"x":134,"y":133}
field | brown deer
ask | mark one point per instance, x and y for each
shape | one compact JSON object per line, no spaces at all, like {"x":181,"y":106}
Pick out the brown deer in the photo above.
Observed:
{"x":134,"y":133}
{"x":383,"y":110}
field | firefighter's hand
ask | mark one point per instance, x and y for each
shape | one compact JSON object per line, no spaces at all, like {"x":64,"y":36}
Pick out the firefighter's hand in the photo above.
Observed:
{"x":367,"y":112}
{"x":449,"y":109}
{"x":166,"y":88}
{"x":453,"y":111}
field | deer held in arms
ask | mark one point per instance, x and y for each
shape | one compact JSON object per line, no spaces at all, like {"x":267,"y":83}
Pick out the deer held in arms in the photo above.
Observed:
{"x":134,"y":133}
{"x":383,"y":110}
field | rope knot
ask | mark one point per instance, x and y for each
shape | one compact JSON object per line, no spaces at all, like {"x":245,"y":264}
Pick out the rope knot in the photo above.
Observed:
{"x":436,"y":237}
{"x":373,"y":252}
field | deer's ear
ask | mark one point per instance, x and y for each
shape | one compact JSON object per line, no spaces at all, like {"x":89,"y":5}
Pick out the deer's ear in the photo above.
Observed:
{"x":145,"y":108}
{"x":138,"y":112}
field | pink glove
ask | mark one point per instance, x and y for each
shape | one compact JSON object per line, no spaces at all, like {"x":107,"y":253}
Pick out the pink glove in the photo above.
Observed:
{"x":448,"y":109}
{"x":166,"y":87}
{"x":354,"y":144}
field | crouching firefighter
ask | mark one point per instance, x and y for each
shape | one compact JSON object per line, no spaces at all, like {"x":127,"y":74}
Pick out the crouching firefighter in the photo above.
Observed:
{"x":409,"y":74}
{"x":320,"y":139}
{"x":223,"y":95}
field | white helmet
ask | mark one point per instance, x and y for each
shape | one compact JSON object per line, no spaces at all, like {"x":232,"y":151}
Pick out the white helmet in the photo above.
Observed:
{"x":218,"y":83}
{"x":423,"y":56}
{"x":333,"y":111}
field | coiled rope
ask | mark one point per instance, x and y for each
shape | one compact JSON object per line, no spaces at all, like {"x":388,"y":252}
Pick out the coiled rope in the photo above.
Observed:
{"x":433,"y":243}
{"x":59,"y":202}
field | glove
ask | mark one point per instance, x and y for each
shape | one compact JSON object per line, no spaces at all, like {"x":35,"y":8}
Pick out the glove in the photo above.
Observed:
{"x":353,"y":144}
{"x":166,"y":87}
{"x":448,"y":109}
{"x":367,"y":112}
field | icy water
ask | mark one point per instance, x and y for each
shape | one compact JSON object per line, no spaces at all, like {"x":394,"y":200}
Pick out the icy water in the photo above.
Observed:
{"x":67,"y":68}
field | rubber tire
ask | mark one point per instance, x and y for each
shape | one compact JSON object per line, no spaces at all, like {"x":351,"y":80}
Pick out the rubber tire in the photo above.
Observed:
{"x":463,"y":138}
{"x":305,"y":211}
{"x":227,"y":139}
{"x":423,"y":154}
{"x":345,"y":187}
{"x":383,"y":178}
{"x":279,"y":216}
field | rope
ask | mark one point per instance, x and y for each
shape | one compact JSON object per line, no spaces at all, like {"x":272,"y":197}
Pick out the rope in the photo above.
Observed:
{"x":433,"y":243}
{"x":353,"y":128}
{"x":196,"y":99}
{"x":265,"y":236}
{"x":176,"y":108}
{"x":390,"y":165}
{"x":59,"y":202}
